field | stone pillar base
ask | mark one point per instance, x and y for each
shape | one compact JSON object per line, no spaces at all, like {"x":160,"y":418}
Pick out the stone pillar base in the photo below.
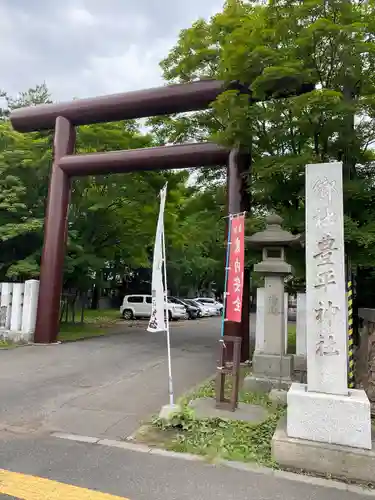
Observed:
{"x":264,"y":385}
{"x":299,"y":363}
{"x":270,"y":371}
{"x":16,"y":337}
{"x":329,"y":418}
{"x":272,"y":366}
{"x":322,"y":458}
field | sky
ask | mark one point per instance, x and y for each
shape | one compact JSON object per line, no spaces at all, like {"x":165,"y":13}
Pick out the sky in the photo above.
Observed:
{"x":83,"y":48}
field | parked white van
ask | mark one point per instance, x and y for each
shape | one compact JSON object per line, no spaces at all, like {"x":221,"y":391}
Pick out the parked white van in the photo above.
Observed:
{"x":139,"y":306}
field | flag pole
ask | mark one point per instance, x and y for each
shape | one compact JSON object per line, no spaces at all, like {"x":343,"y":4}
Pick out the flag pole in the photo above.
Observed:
{"x":170,"y":379}
{"x":226,"y":276}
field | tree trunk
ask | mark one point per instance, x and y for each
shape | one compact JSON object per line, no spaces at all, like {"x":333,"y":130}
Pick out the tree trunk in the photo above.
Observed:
{"x":95,"y":297}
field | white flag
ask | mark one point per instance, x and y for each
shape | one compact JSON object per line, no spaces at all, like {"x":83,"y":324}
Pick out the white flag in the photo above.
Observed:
{"x":157,"y":320}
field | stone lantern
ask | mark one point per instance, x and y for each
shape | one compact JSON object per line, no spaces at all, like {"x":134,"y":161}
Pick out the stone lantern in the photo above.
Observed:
{"x":272,"y":367}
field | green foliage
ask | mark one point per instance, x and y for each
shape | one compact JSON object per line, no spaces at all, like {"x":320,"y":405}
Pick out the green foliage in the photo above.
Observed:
{"x":23,"y":175}
{"x":112,"y":218}
{"x":96,"y":324}
{"x":217,"y":438}
{"x":196,"y":247}
{"x":274,"y":47}
{"x":229,"y":440}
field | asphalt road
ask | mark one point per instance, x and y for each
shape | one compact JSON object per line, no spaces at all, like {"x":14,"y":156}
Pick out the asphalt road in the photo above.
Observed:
{"x":141,"y":476}
{"x":104,"y":386}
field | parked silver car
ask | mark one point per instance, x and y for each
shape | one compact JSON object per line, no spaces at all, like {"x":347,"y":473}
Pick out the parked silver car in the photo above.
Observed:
{"x":212,"y":304}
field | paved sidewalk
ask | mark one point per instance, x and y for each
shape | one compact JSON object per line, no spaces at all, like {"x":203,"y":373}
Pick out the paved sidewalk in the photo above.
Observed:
{"x":104,"y":386}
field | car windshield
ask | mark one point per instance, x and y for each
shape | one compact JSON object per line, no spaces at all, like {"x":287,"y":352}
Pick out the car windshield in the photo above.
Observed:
{"x":175,"y":300}
{"x":184,"y":302}
{"x":192,"y":302}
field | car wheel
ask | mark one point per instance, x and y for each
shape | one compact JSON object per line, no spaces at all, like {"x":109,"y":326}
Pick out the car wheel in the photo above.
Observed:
{"x":127,"y":314}
{"x":170,"y":318}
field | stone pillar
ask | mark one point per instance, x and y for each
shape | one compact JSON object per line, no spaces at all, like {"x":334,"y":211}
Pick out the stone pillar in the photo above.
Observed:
{"x":259,"y":328}
{"x":301,"y":349}
{"x":30,"y":303}
{"x":6,"y":305}
{"x":16,"y":315}
{"x":325,"y":410}
{"x":274,"y":343}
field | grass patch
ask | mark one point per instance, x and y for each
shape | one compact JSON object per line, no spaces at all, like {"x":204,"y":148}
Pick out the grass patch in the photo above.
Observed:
{"x":216,"y":438}
{"x":225,"y":439}
{"x":102,"y":316}
{"x":96,"y":323}
{"x":5,"y":344}
{"x":292,"y":339}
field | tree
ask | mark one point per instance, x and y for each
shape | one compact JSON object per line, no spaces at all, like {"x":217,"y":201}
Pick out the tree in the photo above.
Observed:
{"x":32,"y":97}
{"x":112,"y":219}
{"x":24,"y":163}
{"x":196,"y":249}
{"x":273,"y":47}
{"x":110,"y":227}
{"x":105,"y":212}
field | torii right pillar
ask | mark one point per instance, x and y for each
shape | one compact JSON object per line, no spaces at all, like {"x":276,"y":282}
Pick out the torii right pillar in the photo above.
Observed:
{"x":238,"y":173}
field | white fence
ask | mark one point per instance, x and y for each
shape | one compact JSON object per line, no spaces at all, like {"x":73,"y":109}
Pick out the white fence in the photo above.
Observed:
{"x":18,"y":305}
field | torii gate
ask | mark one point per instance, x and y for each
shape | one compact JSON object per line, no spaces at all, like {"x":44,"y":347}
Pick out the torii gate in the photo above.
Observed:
{"x":64,"y":117}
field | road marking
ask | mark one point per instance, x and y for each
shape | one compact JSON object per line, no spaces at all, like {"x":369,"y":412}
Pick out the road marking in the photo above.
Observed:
{"x":26,"y":487}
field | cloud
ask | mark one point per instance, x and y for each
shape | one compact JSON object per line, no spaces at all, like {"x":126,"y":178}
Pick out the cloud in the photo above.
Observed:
{"x":82,"y":48}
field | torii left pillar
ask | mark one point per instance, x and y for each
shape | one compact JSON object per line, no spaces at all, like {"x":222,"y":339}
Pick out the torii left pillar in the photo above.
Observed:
{"x":55,"y":227}
{"x":238,"y":172}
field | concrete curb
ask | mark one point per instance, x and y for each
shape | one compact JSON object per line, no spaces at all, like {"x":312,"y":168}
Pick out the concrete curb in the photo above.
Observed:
{"x":16,"y":346}
{"x":241,"y":466}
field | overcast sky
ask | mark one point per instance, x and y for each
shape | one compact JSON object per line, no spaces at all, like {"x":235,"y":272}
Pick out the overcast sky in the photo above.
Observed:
{"x":83,"y":48}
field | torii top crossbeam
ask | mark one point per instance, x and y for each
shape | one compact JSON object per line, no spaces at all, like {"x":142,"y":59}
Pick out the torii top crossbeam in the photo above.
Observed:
{"x":138,"y":104}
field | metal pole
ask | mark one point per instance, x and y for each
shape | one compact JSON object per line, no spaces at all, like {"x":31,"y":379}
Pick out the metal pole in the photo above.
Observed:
{"x":170,"y":379}
{"x":226,"y":274}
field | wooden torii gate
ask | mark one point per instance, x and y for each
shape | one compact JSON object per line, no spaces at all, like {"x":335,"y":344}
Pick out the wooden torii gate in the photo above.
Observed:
{"x":64,"y":117}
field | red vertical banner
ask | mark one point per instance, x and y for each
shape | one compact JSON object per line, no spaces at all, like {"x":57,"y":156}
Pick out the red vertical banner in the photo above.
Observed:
{"x":236,"y":269}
